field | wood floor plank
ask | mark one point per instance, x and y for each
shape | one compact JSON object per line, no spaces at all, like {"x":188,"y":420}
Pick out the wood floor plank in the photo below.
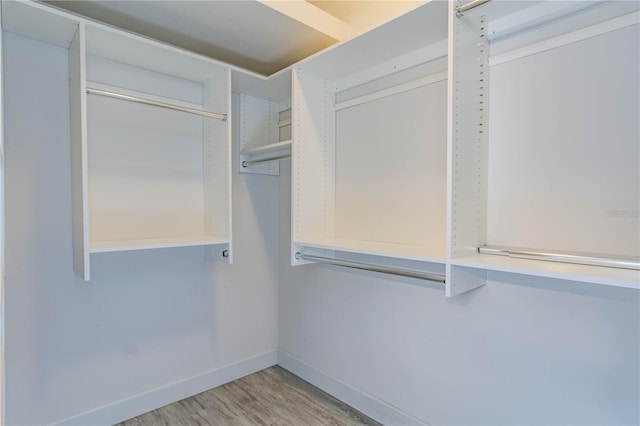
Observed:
{"x":271,"y":397}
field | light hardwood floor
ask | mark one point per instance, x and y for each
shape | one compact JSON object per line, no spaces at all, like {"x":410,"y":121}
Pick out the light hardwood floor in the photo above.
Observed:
{"x":269,"y":397}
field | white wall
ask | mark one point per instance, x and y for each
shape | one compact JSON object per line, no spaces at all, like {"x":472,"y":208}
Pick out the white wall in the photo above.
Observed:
{"x":147,"y":320}
{"x":519,"y":350}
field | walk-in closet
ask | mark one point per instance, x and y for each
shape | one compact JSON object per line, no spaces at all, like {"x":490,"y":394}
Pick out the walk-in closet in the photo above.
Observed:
{"x":432,"y":217}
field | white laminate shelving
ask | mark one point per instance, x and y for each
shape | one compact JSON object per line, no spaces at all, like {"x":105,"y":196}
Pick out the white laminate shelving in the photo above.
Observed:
{"x":545,"y":144}
{"x":156,"y":177}
{"x":143,"y":176}
{"x":369,"y":143}
{"x":514,"y":124}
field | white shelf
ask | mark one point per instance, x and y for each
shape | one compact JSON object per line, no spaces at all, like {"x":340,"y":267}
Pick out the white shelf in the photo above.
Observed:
{"x":419,"y":27}
{"x":275,"y":88}
{"x":268,"y":149}
{"x":39,"y":22}
{"x":127,"y":245}
{"x":376,"y":248}
{"x":265,"y":137}
{"x":565,"y":271}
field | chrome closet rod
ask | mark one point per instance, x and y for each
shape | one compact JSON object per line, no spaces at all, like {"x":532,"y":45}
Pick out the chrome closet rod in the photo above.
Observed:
{"x":561,"y":257}
{"x":248,"y":163}
{"x":92,"y":91}
{"x":468,"y":6}
{"x":439,"y":278}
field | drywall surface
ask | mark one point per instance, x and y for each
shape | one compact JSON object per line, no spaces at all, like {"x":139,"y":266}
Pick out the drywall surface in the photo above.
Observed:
{"x":147,"y":319}
{"x":520,"y":350}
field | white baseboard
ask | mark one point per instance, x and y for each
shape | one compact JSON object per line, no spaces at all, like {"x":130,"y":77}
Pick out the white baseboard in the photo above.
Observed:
{"x":134,"y":406}
{"x":361,"y":401}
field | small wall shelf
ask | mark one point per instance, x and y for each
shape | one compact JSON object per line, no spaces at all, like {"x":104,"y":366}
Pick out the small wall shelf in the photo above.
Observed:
{"x":266,"y":123}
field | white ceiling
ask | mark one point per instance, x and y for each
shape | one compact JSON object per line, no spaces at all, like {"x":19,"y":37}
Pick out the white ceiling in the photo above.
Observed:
{"x":246,"y":33}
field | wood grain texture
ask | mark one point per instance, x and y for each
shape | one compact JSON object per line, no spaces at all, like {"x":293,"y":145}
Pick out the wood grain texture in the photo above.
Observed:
{"x":270,"y":397}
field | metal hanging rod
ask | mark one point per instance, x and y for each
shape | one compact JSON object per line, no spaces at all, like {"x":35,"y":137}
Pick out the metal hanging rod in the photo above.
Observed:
{"x":93,"y":91}
{"x":439,"y":278}
{"x":468,"y":6}
{"x":248,"y":163}
{"x":561,"y":257}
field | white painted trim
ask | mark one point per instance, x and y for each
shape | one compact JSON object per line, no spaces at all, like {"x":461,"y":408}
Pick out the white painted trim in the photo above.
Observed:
{"x":565,"y":39}
{"x":425,"y":81}
{"x":142,"y":403}
{"x":361,"y":401}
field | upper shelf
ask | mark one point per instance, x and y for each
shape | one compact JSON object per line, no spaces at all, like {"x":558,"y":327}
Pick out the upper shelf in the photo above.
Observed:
{"x":423,"y":26}
{"x":137,"y":51}
{"x":276,"y":88}
{"x":38,"y":22}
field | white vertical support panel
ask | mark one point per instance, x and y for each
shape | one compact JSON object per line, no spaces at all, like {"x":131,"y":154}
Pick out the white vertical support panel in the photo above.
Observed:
{"x":467,"y":145}
{"x":468,"y":84}
{"x":2,"y":231}
{"x":217,"y":164}
{"x":462,"y":279}
{"x":79,"y":176}
{"x":329,"y":158}
{"x":313,"y":159}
